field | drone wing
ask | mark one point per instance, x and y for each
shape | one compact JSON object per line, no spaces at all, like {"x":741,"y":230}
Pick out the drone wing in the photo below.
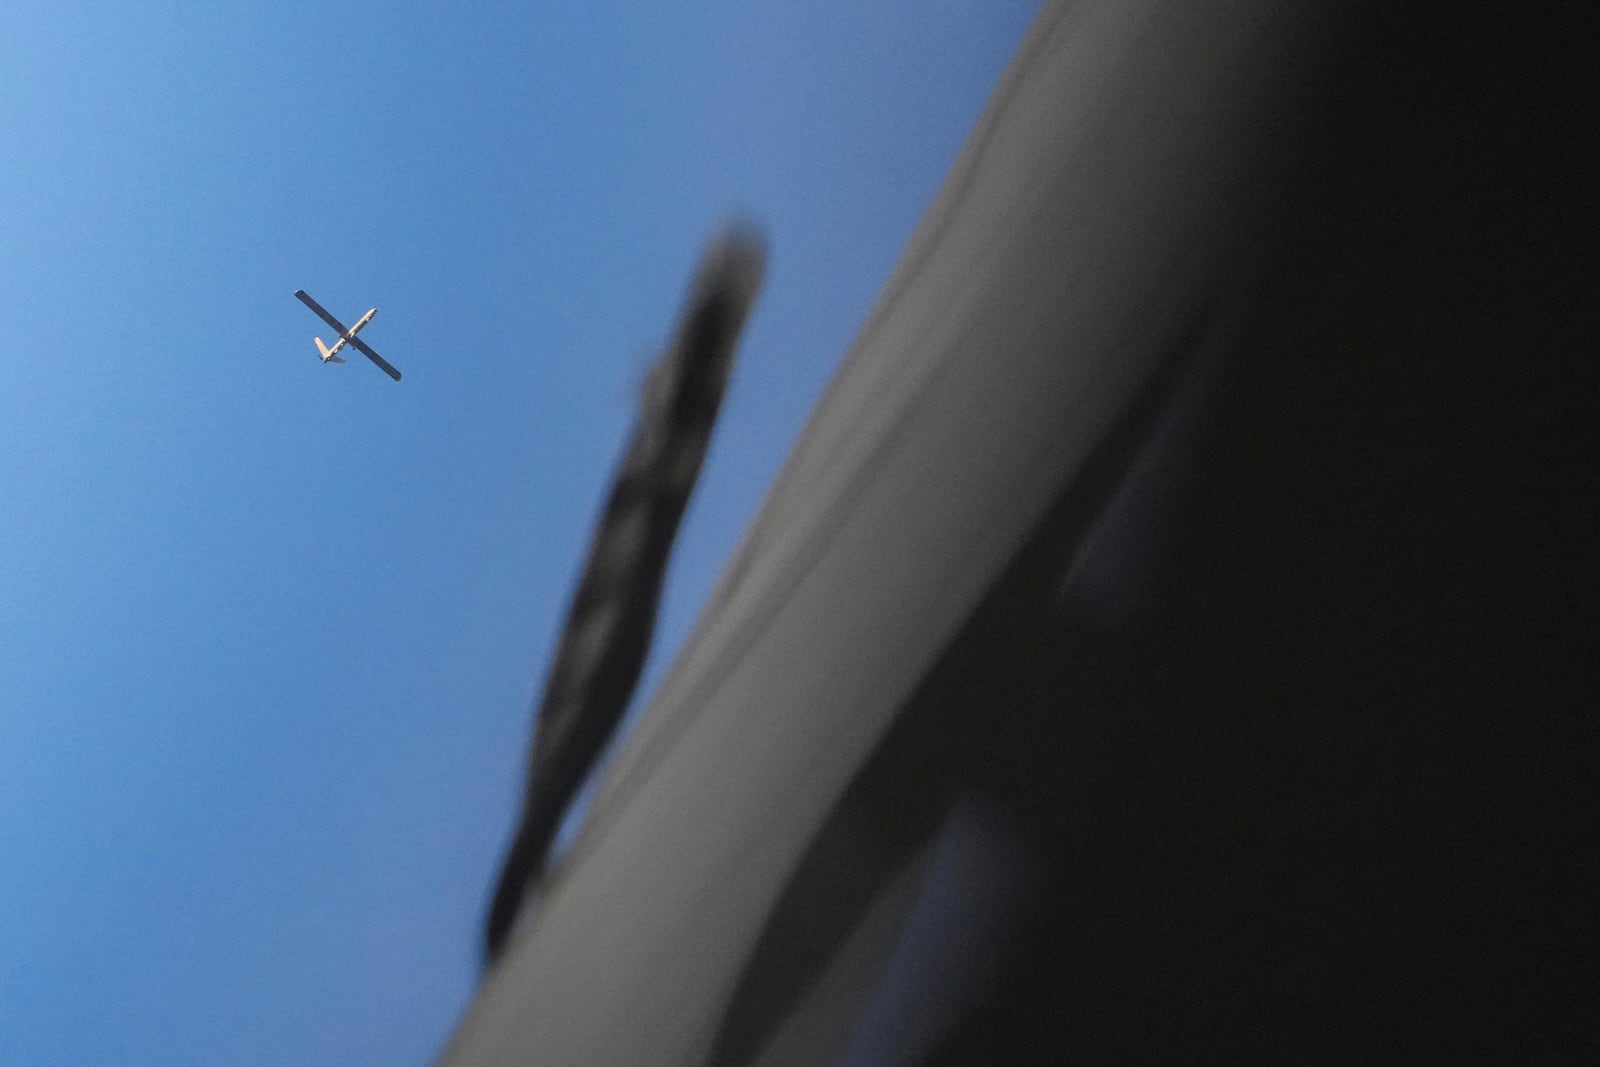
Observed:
{"x":321,"y":311}
{"x":366,"y":350}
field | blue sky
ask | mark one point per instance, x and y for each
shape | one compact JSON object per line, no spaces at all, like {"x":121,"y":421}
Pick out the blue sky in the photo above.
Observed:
{"x":270,"y":630}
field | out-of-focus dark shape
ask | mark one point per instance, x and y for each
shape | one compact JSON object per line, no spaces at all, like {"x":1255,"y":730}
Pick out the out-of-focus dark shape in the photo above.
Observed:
{"x":1171,"y":638}
{"x":609,"y":625}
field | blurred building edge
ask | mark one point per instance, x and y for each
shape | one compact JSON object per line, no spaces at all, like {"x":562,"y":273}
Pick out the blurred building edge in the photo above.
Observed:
{"x":1167,"y":640}
{"x":611,"y":619}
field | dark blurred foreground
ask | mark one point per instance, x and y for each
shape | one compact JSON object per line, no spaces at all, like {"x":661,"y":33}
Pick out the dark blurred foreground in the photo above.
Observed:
{"x":1273,"y":736}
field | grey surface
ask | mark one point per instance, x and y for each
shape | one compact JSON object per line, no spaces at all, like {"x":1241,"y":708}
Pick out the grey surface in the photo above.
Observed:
{"x":1108,"y":201}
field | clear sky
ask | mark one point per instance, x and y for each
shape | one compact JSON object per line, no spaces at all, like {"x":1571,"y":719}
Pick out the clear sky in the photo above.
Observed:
{"x":270,"y":630}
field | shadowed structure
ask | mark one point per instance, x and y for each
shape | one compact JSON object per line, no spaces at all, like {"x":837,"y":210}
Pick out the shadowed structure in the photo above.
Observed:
{"x":1168,"y":639}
